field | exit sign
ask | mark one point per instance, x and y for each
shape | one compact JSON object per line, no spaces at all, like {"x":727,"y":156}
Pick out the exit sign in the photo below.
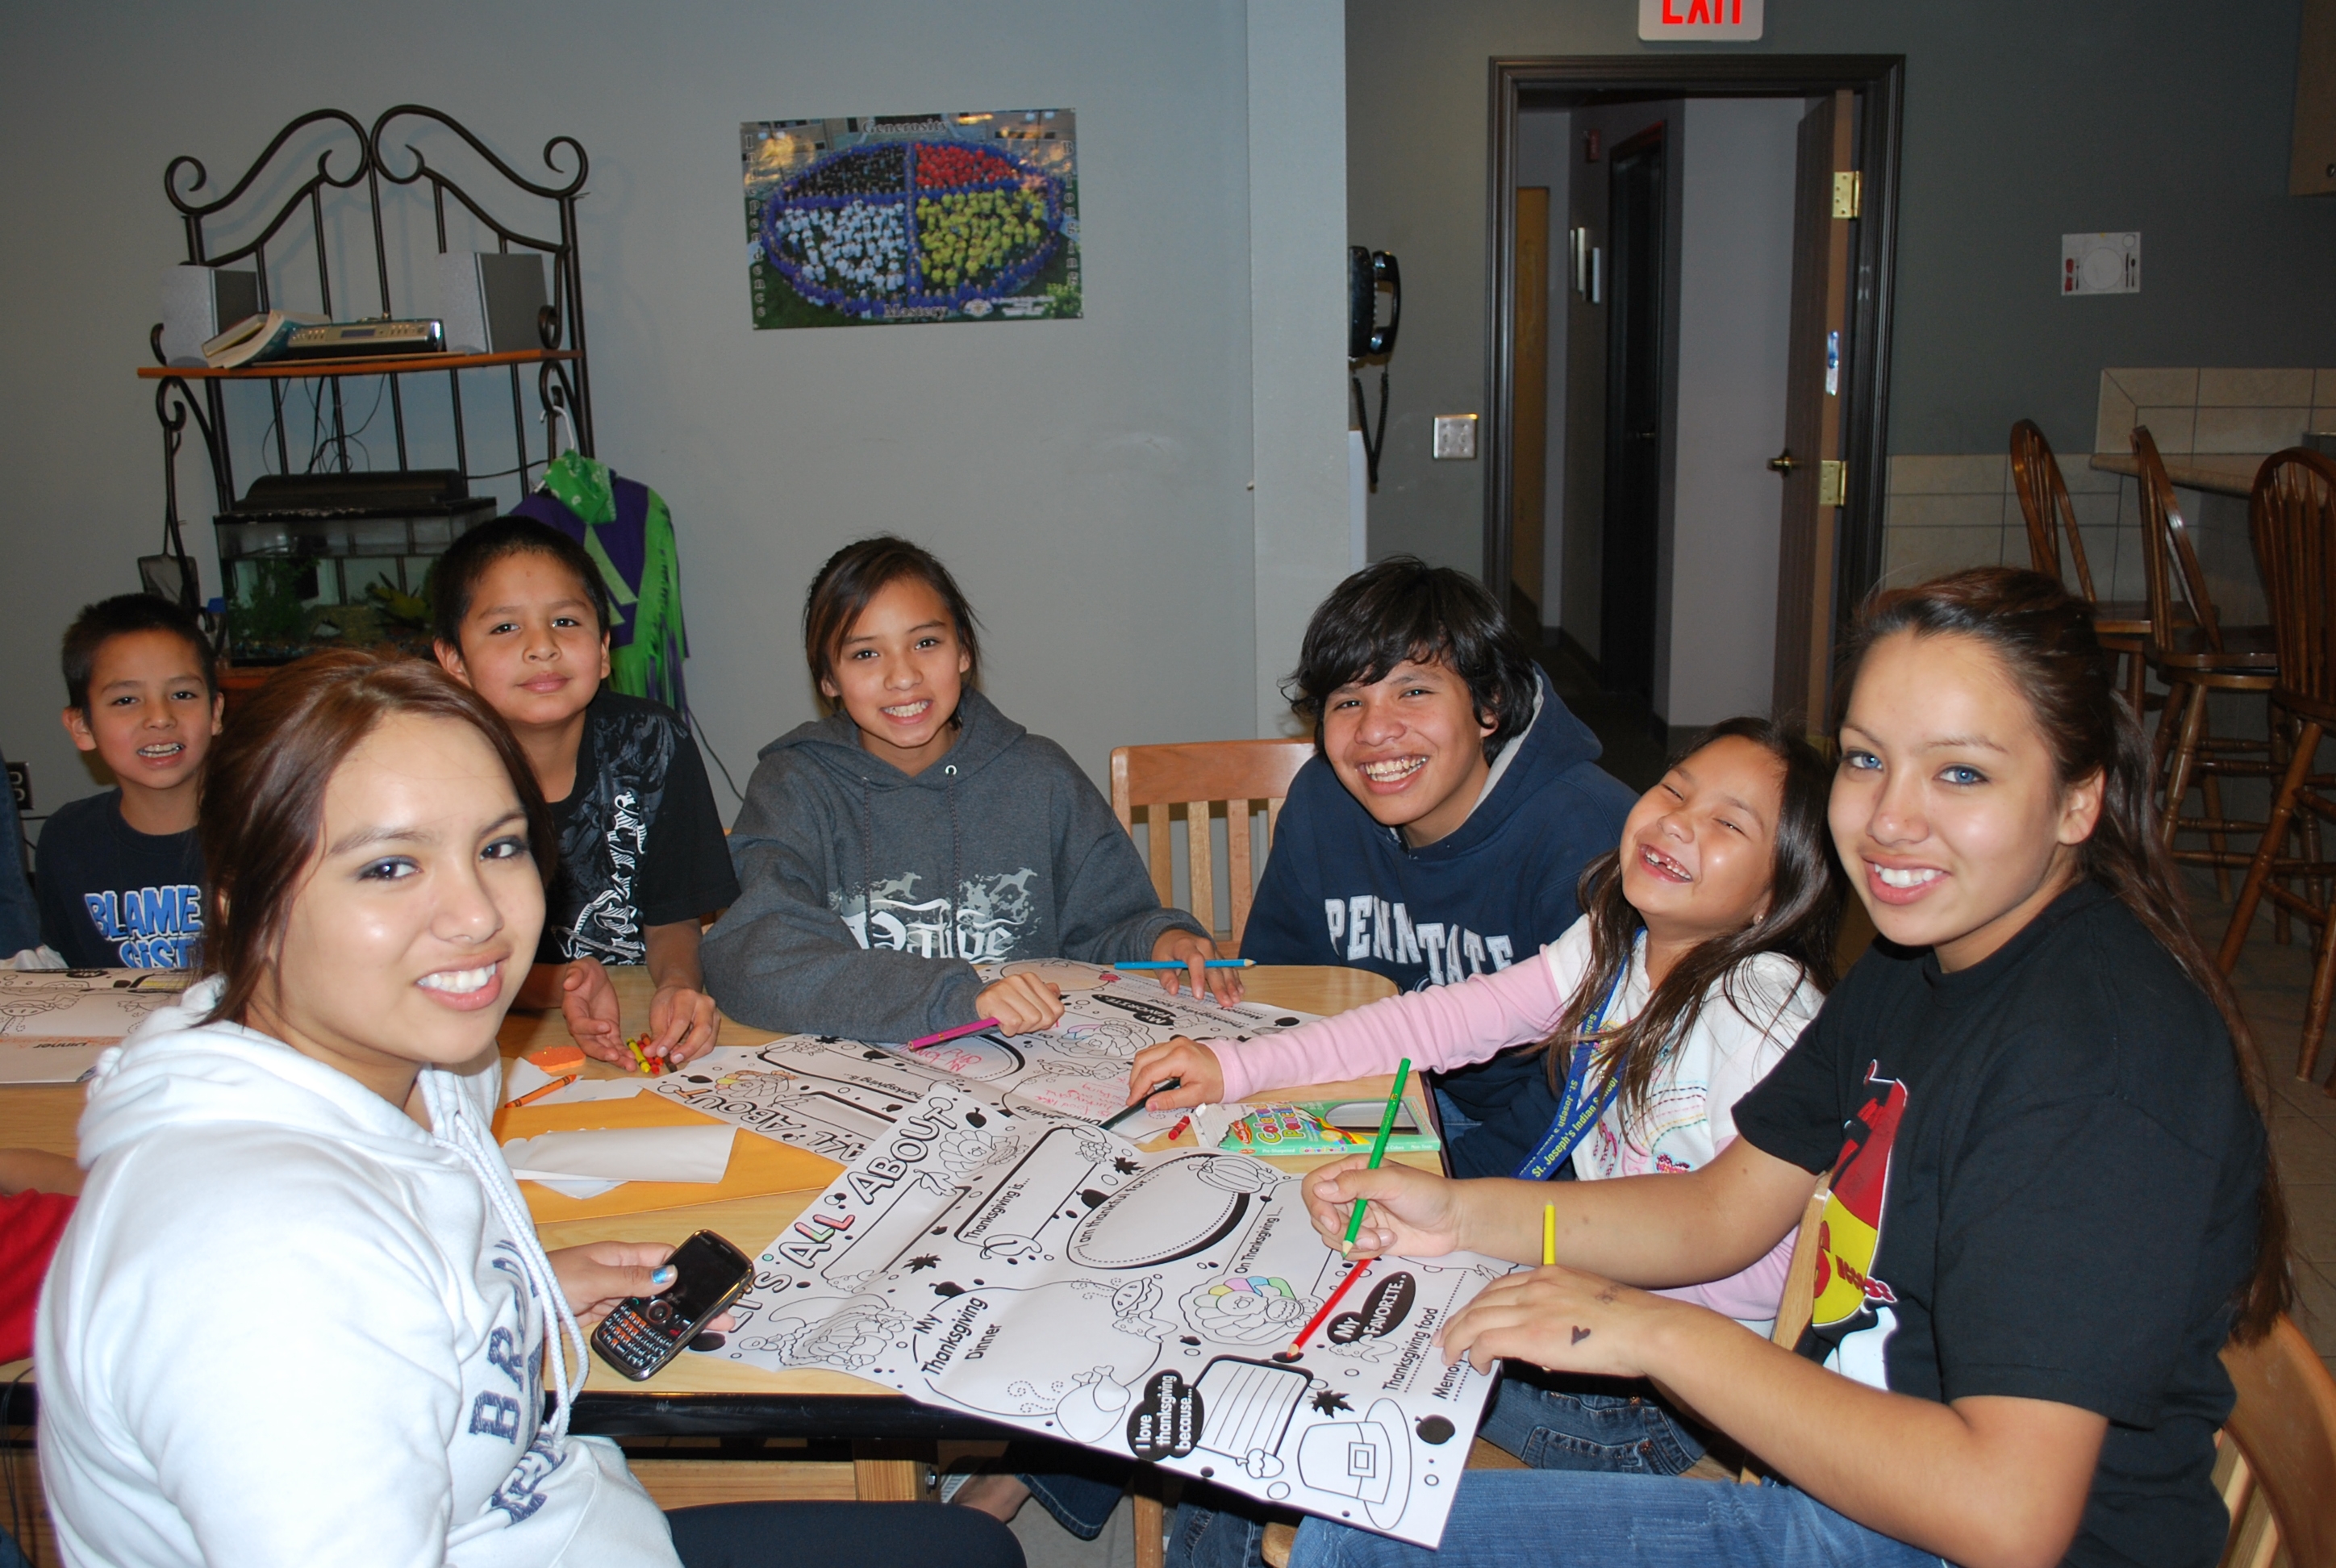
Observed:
{"x":1673,"y":21}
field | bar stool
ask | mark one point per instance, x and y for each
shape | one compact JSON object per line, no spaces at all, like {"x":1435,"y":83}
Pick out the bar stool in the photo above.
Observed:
{"x":2293,"y":514}
{"x":2193,"y":660}
{"x":2122,"y":626}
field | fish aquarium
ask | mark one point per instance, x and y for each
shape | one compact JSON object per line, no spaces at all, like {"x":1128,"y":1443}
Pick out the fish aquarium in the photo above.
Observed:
{"x":325,"y":561}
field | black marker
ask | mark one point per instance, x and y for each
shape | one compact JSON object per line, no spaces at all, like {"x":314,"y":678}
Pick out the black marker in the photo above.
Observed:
{"x":1162,"y":1087}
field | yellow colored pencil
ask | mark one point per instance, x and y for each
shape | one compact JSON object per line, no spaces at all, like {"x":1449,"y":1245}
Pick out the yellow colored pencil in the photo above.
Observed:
{"x":1548,"y":1234}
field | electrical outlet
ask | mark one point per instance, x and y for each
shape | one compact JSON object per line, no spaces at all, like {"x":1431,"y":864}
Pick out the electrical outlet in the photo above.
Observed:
{"x":1455,"y":438}
{"x":20,"y":785}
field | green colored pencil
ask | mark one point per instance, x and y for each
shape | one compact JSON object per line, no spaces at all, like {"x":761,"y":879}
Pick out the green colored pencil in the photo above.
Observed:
{"x":1378,"y":1152}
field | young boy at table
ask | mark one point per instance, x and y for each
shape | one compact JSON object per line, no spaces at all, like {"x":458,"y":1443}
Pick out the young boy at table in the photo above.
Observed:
{"x":522,"y":618}
{"x":119,"y":875}
{"x":1444,"y":820}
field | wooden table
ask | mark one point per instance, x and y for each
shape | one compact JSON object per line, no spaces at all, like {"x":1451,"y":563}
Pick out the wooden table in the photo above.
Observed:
{"x":701,"y":1396}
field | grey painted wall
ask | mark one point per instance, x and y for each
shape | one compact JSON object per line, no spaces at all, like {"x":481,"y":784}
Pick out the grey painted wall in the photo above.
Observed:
{"x":2022,"y":123}
{"x":1088,"y":480}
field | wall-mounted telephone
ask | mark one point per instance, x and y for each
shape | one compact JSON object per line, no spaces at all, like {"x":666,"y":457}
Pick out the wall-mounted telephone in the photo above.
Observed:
{"x":1368,"y":272}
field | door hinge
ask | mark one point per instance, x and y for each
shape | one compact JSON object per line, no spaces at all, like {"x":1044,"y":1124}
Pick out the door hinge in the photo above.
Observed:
{"x":1832,"y":483}
{"x":1847,"y":191}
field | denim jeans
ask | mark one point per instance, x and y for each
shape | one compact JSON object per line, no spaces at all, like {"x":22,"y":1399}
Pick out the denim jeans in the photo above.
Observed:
{"x":1528,"y":1519}
{"x":1549,"y":1427}
{"x":1078,"y":1486}
{"x":1574,"y":1424}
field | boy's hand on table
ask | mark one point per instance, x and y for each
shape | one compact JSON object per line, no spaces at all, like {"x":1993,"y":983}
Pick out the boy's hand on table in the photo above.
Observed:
{"x":1414,"y":1213}
{"x":1559,"y":1319}
{"x":682,"y":1023}
{"x":601,"y":1276}
{"x":1022,"y":1004}
{"x":1194,"y":951}
{"x":588,"y":1002}
{"x":1203,"y":1075}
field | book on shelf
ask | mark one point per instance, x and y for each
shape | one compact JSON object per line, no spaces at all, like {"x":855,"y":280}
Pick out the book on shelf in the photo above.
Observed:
{"x":256,"y":338}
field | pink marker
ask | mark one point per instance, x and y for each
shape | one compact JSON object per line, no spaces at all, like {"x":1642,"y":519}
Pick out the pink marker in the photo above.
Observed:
{"x":974,"y":1027}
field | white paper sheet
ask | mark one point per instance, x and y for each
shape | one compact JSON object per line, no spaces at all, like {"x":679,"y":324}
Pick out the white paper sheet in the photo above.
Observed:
{"x":611,"y":1156}
{"x":1027,"y":1268}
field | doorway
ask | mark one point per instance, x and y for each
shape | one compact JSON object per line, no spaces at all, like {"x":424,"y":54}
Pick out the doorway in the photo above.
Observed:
{"x":1635,"y":386}
{"x":1619,"y":592}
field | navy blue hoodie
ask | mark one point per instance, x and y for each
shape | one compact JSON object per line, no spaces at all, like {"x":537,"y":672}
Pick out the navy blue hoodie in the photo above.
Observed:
{"x":1340,"y":889}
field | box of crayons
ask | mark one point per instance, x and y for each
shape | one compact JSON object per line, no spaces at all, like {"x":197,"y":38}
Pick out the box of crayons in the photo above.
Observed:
{"x":1325,"y":1127}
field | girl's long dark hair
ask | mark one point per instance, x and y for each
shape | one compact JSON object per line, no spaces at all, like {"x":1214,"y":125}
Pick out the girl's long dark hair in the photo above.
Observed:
{"x":1802,"y":921}
{"x":2044,"y":637}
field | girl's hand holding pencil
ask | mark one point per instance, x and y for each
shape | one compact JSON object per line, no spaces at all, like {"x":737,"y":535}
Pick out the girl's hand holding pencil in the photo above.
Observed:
{"x":1412,"y":1211}
{"x":1022,"y":1004}
{"x":1193,"y":1065}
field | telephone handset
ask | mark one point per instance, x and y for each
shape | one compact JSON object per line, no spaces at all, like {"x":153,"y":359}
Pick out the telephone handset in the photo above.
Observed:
{"x":1367,"y":272}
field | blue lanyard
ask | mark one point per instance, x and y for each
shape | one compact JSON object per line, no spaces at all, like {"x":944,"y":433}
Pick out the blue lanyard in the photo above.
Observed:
{"x":1576,"y":1113}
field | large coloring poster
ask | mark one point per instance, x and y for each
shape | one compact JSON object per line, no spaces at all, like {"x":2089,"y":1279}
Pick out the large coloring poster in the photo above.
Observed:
{"x":830,"y":1095}
{"x":55,"y":1023}
{"x":1031,"y":1269}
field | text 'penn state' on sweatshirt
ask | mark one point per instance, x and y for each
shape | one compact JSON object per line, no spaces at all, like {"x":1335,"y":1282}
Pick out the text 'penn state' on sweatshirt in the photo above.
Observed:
{"x":869,"y":895}
{"x":1340,"y":889}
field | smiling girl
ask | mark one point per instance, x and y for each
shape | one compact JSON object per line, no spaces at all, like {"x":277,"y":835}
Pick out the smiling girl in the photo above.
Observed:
{"x":916,"y":831}
{"x":301,"y":1314}
{"x":2050,"y":1197}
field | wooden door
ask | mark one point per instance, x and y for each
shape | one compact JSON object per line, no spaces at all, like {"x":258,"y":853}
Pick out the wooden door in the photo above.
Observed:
{"x":1814,"y":484}
{"x":1528,"y":411}
{"x":1635,"y":212}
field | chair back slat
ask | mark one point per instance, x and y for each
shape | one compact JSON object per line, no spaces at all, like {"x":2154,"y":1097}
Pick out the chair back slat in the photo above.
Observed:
{"x":2044,"y":502}
{"x":1239,"y":775}
{"x":2169,"y":560}
{"x":2292,"y":512}
{"x":2284,"y":1424}
{"x":1800,"y":1302}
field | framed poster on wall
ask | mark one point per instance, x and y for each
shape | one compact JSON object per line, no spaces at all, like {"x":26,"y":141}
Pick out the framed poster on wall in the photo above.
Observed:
{"x":876,"y":219}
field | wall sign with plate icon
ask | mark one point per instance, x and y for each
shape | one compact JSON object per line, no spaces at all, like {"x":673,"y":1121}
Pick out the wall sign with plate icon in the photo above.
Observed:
{"x":2100,"y":264}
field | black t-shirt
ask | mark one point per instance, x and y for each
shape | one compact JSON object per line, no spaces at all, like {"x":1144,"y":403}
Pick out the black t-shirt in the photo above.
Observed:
{"x":639,"y":842}
{"x":2059,"y":1164}
{"x":111,"y":897}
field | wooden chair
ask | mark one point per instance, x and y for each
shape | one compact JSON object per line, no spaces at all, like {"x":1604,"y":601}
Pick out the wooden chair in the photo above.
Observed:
{"x":2292,"y":513}
{"x":2195,"y":656}
{"x":1238,"y":776}
{"x":2278,"y":1469}
{"x":2122,"y":625}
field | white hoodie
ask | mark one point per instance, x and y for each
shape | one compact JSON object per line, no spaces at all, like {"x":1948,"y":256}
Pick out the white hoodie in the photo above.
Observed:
{"x":287,"y":1326}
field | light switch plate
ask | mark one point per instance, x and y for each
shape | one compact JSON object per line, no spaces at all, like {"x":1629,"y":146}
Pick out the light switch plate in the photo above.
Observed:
{"x":1455,"y":438}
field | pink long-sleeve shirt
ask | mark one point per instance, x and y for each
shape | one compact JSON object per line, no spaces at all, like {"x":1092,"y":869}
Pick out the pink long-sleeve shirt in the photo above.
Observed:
{"x":1747,"y":1023}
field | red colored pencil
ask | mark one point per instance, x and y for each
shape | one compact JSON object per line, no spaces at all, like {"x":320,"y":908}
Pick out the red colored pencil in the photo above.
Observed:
{"x":1298,"y":1346}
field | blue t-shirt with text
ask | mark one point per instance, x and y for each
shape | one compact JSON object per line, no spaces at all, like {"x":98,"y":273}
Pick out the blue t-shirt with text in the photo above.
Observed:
{"x":111,"y":897}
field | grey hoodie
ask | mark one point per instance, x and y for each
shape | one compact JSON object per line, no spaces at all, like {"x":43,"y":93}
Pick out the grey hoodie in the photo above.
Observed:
{"x":869,"y":895}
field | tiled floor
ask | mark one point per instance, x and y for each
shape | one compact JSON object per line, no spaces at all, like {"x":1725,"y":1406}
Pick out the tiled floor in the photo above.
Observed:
{"x":2275,"y":984}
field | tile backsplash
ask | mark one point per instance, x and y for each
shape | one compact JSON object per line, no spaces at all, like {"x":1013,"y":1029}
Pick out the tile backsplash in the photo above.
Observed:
{"x":2209,"y":410}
